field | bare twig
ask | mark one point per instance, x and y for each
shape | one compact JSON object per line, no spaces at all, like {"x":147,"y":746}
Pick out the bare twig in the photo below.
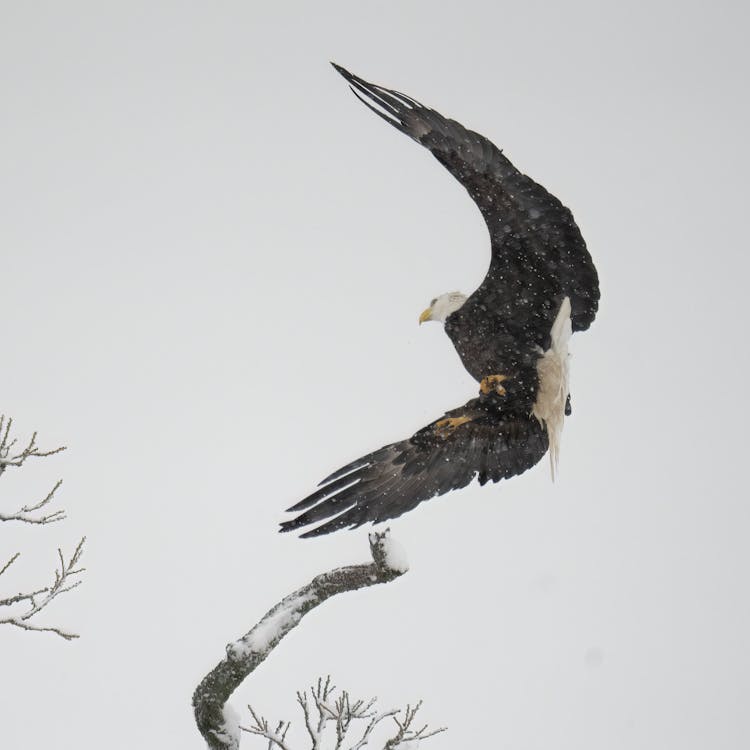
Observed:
{"x":374,"y":721}
{"x":347,"y":712}
{"x":17,"y":458}
{"x":344,"y":712}
{"x":38,"y":628}
{"x":35,"y":513}
{"x":405,"y":733}
{"x":40,"y":599}
{"x":262,"y":729}
{"x":302,"y":700}
{"x":246,"y":653}
{"x":30,"y":596}
{"x":10,"y":455}
{"x":23,"y":513}
{"x":325,"y":713}
{"x":10,"y":562}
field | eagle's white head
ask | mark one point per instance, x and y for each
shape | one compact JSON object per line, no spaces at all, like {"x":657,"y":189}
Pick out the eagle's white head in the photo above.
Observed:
{"x":441,"y":307}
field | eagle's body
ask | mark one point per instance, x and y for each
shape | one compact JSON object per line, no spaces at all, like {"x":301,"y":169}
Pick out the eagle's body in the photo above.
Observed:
{"x":511,"y":335}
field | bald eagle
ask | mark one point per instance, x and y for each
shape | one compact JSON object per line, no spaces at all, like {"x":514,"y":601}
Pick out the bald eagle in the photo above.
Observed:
{"x":511,"y":335}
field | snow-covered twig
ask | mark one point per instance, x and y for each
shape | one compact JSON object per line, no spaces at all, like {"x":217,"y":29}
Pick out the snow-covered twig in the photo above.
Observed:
{"x":8,"y":458}
{"x":33,"y":513}
{"x":41,"y":598}
{"x":343,"y":712}
{"x":10,"y":562}
{"x":365,"y":738}
{"x":405,"y":733}
{"x":262,"y":729}
{"x":320,"y":695}
{"x":246,"y":653}
{"x":23,"y":513}
{"x":11,"y":456}
{"x":347,"y":712}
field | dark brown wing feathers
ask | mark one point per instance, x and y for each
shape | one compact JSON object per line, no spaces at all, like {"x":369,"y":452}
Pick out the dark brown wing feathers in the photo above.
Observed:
{"x":530,"y":229}
{"x":477,"y":440}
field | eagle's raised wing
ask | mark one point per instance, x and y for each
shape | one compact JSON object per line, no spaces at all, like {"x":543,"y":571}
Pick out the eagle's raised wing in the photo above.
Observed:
{"x":477,"y":440}
{"x":538,"y":254}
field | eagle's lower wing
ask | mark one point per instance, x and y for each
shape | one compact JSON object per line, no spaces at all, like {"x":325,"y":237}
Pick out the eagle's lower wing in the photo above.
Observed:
{"x":476,"y":440}
{"x":535,"y":241}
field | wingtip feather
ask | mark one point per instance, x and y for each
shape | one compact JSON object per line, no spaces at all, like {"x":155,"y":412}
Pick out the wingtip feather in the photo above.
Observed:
{"x":341,"y":70}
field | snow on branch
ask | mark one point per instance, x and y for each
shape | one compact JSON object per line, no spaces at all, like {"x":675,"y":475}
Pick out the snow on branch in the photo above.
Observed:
{"x":11,"y":455}
{"x":21,"y":610}
{"x":343,"y":713}
{"x":37,"y":600}
{"x":23,"y":514}
{"x":246,"y":653}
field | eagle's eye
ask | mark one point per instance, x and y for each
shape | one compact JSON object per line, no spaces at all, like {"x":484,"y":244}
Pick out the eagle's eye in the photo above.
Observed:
{"x":433,"y":302}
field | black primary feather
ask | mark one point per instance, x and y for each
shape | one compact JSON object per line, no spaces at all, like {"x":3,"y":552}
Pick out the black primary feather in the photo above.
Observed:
{"x":484,"y":440}
{"x":538,"y":254}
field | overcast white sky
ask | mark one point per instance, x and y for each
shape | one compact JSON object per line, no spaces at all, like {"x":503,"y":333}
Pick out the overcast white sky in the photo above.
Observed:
{"x":213,"y":260}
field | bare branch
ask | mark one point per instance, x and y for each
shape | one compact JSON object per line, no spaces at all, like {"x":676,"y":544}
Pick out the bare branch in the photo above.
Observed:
{"x":246,"y":653}
{"x":10,"y":562}
{"x":343,"y":711}
{"x":302,"y":700}
{"x":28,"y":626}
{"x":35,"y":513}
{"x":23,"y":513}
{"x":31,"y":596}
{"x":325,"y":712}
{"x":365,"y":738}
{"x":261,"y":728}
{"x":41,"y":598}
{"x":405,"y":733}
{"x":272,"y":737}
{"x":12,"y":456}
{"x":9,"y":457}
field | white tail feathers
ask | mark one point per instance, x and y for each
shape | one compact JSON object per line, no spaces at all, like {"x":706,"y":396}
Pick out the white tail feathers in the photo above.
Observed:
{"x":554,"y":384}
{"x":562,"y":328}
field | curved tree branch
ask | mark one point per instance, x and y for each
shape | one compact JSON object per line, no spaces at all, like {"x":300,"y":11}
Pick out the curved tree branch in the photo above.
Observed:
{"x":246,"y":653}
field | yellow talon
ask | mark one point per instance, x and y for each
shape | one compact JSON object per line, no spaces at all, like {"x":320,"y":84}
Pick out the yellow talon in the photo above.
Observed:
{"x":445,"y":426}
{"x":493,"y":383}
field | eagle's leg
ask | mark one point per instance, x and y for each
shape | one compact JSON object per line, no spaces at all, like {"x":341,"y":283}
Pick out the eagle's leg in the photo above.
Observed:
{"x":445,"y":427}
{"x":493,"y":384}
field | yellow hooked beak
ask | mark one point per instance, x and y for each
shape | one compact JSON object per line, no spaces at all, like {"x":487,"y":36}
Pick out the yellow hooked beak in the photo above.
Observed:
{"x":425,"y":316}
